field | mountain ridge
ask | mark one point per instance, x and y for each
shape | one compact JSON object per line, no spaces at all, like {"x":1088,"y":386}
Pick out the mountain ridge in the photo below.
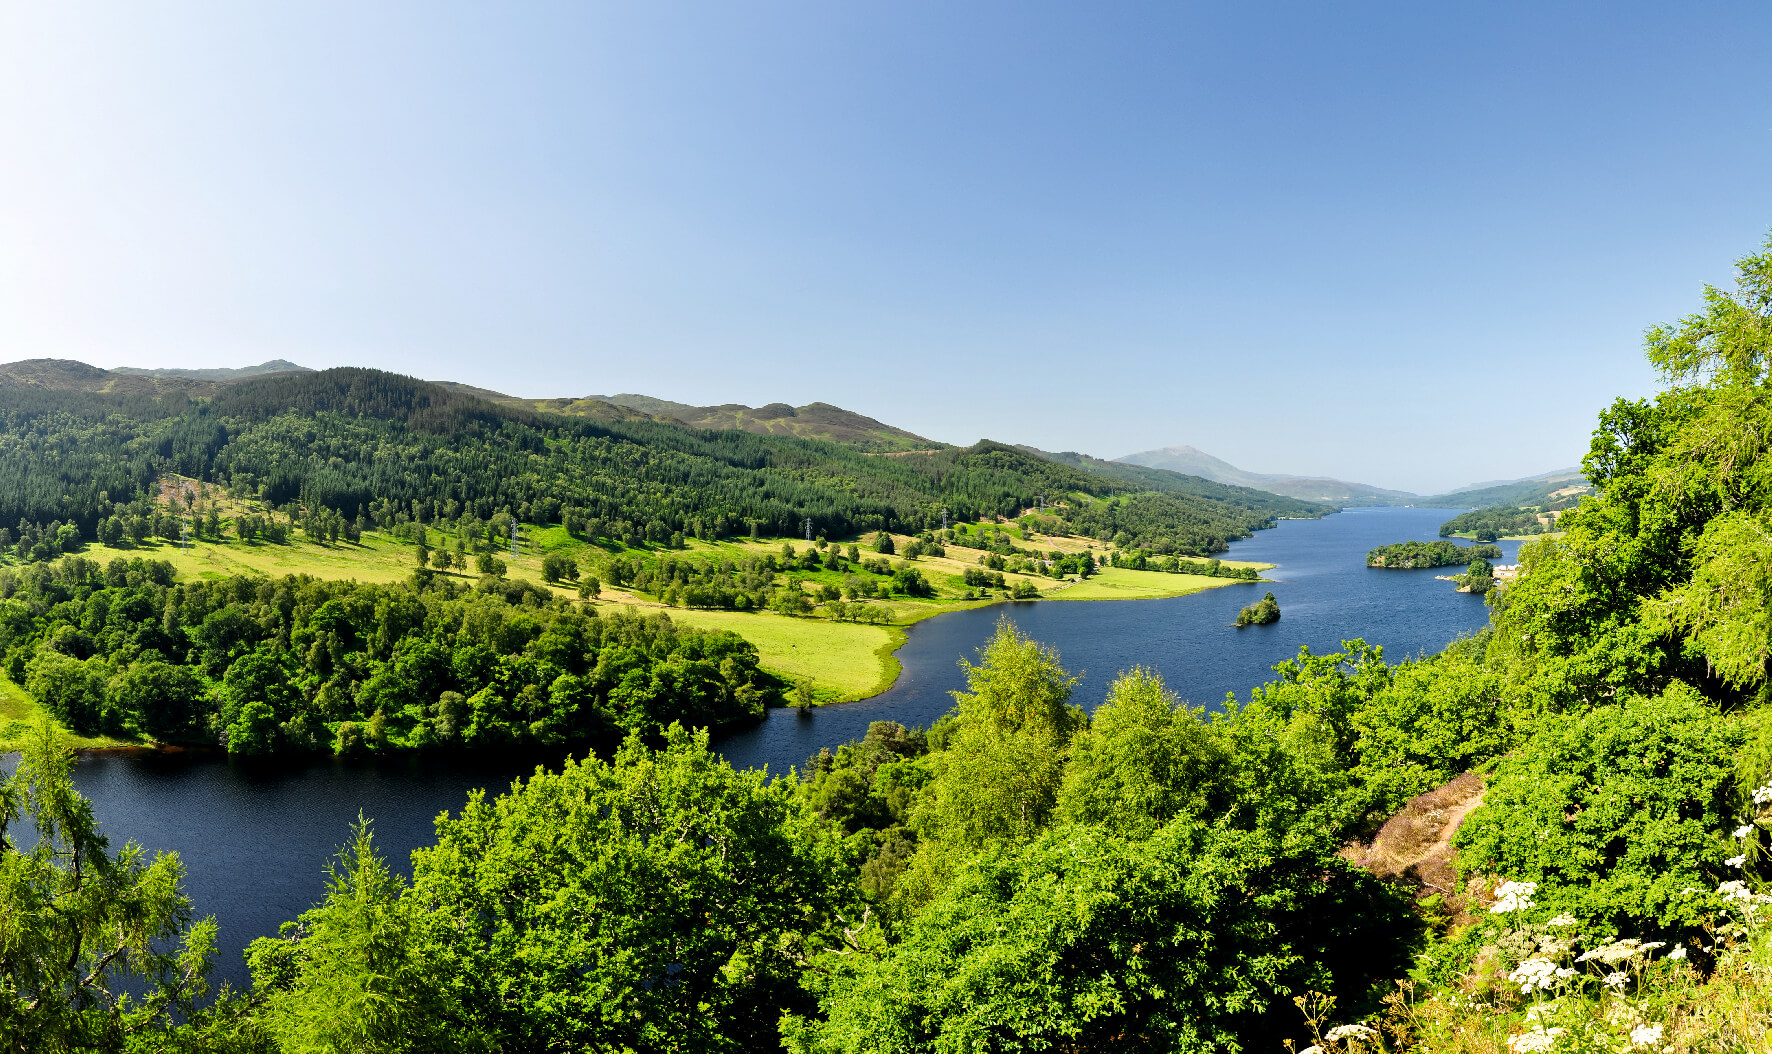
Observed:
{"x":1193,"y":461}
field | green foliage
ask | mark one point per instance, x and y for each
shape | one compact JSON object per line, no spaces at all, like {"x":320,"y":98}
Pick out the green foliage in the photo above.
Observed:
{"x":354,"y":973}
{"x":997,"y":778}
{"x":262,"y":665}
{"x":1496,"y":521}
{"x":1260,"y":613}
{"x":662,"y":902}
{"x":1141,"y":560}
{"x":1434,"y":719}
{"x":1145,"y":760}
{"x":1190,"y":941}
{"x":1165,"y":524}
{"x":1617,"y":814}
{"x":1429,"y":554}
{"x":94,"y":947}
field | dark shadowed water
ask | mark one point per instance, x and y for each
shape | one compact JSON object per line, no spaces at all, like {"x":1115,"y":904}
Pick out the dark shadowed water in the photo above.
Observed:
{"x":255,"y":835}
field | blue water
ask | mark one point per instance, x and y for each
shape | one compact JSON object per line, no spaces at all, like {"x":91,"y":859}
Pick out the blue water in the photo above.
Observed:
{"x":255,"y":835}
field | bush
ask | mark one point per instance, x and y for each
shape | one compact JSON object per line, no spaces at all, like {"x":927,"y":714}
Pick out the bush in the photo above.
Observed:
{"x":1614,"y":814}
{"x":1192,"y":941}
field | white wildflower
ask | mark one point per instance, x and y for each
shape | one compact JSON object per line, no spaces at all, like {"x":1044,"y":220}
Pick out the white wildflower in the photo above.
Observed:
{"x":1690,"y":890}
{"x":1762,"y":795}
{"x":1679,"y":952}
{"x":1744,"y":830}
{"x":1514,"y":896}
{"x":1615,"y":979}
{"x":1341,"y":1032}
{"x":1535,"y":1041}
{"x":1535,"y":973}
{"x":1312,"y":1049}
{"x":1736,"y":861}
{"x":1736,"y":891}
{"x":1651,"y":946}
{"x":1555,"y":947}
{"x":1614,"y":953}
{"x":1645,"y":1035}
{"x":1564,"y":919}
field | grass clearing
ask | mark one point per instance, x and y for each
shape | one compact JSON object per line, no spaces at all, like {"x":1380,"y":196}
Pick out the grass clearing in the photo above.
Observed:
{"x":846,"y":660}
{"x":1119,"y":583}
{"x":19,"y":714}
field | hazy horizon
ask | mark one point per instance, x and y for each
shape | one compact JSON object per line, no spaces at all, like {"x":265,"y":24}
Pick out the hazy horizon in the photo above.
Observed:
{"x":1406,"y":247}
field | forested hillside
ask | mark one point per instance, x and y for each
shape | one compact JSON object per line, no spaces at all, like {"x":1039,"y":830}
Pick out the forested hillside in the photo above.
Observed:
{"x":812,"y":421}
{"x":364,"y":444}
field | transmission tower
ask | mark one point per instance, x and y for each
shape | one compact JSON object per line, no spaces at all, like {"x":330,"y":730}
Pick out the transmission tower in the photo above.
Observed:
{"x":808,"y":526}
{"x":944,"y":519}
{"x":513,"y":539}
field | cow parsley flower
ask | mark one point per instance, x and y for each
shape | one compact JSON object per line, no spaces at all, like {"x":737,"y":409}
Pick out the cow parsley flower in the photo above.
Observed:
{"x":1736,"y":861}
{"x":1616,"y":952}
{"x":1736,"y":891}
{"x":1514,"y":896}
{"x":1616,"y":979}
{"x":1534,"y":1042}
{"x":1646,"y":1035}
{"x":1533,"y":973}
{"x":1562,"y":920}
{"x":1312,"y":1049}
{"x":1341,"y":1032}
{"x":1679,"y":952}
{"x":1744,"y":830}
{"x":1762,"y":795}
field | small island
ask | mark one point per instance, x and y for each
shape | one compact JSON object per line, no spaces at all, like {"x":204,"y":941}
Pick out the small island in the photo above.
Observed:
{"x":1408,"y":555}
{"x":1479,"y":577}
{"x":1260,"y":613}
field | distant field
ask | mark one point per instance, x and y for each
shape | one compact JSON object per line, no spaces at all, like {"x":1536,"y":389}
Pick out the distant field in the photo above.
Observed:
{"x":846,"y":661}
{"x":1119,"y":583}
{"x":378,"y":559}
{"x":19,"y":713}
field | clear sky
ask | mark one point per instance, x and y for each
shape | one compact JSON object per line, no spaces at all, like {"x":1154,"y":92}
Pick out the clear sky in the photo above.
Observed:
{"x":1413,"y":244}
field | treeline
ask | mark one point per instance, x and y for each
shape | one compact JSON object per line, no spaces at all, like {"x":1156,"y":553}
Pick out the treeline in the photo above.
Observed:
{"x":261,"y":665}
{"x":1164,"y":524}
{"x":1144,"y":561}
{"x":1429,"y":554}
{"x":1497,"y":521}
{"x":352,"y":440}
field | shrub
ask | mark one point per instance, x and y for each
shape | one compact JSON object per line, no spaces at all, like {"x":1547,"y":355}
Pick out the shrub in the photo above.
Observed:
{"x":1614,"y":814}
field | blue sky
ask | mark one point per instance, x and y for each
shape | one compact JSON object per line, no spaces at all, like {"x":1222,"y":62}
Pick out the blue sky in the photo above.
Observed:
{"x":1414,"y":245}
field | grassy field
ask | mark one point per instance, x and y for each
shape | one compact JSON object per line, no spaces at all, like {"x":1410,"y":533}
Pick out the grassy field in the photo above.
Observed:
{"x":1119,"y":583}
{"x":845,"y":660}
{"x":19,"y":713}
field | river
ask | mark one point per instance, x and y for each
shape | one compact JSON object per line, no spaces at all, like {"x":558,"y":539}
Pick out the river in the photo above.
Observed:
{"x":255,"y":835}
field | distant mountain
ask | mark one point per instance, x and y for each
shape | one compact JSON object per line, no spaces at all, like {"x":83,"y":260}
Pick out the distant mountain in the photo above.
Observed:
{"x":812,"y":421}
{"x":648,"y":404}
{"x":67,"y":375}
{"x":1193,"y":462}
{"x":222,"y":373}
{"x":1170,"y":482}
